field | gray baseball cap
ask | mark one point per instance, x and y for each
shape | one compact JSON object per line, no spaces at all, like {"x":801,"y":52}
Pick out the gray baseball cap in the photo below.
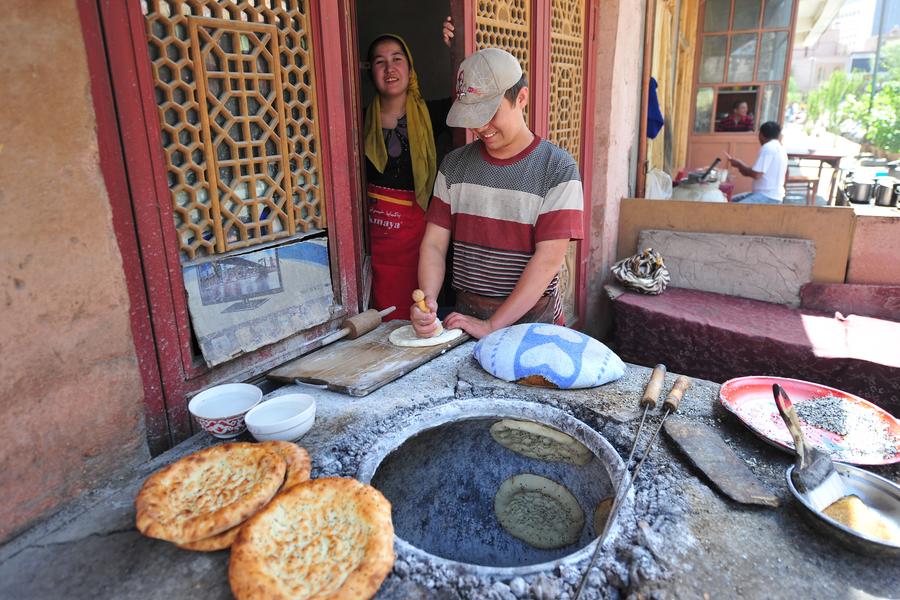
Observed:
{"x":481,"y":82}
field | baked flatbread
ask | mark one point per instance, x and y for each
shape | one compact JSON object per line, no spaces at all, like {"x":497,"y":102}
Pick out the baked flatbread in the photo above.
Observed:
{"x":601,"y":515}
{"x":539,"y":441}
{"x":297,"y":459}
{"x":538,"y":511}
{"x":208,"y":492}
{"x":220,"y":541}
{"x":324,"y":538}
{"x":298,"y":469}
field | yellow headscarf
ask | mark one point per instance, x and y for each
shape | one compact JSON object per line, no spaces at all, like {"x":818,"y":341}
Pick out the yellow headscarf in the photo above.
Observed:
{"x":421,"y":137}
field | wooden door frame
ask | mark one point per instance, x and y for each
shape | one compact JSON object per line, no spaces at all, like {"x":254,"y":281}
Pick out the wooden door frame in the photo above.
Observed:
{"x":730,"y":139}
{"x":463,"y":13}
{"x":133,"y":164}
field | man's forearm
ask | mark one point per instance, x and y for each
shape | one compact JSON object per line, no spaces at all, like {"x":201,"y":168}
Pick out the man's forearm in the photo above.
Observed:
{"x":432,"y":263}
{"x":538,"y":274}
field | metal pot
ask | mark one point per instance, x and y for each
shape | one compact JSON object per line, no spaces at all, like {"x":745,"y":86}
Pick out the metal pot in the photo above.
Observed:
{"x":860,"y":192}
{"x":884,"y":192}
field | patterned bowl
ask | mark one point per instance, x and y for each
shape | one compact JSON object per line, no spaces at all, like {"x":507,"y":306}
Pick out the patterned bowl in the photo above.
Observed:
{"x":220,"y":410}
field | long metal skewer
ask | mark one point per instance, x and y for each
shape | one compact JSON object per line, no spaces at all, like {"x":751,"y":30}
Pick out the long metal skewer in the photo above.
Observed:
{"x":671,"y":405}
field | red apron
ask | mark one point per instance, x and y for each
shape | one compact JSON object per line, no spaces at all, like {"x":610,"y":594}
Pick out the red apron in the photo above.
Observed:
{"x":396,"y":228}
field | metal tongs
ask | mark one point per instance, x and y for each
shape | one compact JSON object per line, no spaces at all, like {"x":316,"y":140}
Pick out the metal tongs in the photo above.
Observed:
{"x":648,"y":401}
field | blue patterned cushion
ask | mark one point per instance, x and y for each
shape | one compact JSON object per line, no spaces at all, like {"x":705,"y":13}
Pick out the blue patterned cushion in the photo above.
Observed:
{"x":565,"y":357}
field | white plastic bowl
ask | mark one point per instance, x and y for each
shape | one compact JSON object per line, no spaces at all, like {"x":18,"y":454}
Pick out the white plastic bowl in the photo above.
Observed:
{"x":220,"y":410}
{"x":285,"y":418}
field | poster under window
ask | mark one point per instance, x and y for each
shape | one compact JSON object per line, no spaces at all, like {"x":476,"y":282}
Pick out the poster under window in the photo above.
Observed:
{"x":242,"y":302}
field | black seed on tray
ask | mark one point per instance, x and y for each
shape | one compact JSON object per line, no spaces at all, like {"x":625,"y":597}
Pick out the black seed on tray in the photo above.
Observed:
{"x":826,"y":412}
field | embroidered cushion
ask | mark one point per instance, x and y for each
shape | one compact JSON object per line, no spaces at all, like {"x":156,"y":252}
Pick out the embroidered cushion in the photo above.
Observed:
{"x":563,"y":357}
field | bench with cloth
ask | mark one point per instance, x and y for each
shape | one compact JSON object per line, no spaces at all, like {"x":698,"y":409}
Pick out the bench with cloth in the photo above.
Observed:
{"x":760,"y":316}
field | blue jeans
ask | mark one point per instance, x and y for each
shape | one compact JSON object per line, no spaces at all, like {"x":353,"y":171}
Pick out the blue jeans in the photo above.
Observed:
{"x":755,"y":198}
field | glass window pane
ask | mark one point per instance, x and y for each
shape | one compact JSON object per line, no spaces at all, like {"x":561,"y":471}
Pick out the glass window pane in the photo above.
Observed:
{"x":703,"y":113}
{"x":712,"y":58}
{"x":746,"y":14}
{"x":742,"y":58}
{"x":717,"y":14}
{"x":768,"y":107}
{"x":778,"y":13}
{"x":772,"y":55}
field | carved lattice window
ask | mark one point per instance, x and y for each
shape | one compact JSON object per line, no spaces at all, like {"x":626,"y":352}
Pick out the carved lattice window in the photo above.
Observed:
{"x":235,"y":89}
{"x":566,"y":69}
{"x":505,"y":24}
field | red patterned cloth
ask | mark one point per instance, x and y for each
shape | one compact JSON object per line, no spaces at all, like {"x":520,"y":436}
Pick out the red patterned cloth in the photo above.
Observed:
{"x":719,"y":337}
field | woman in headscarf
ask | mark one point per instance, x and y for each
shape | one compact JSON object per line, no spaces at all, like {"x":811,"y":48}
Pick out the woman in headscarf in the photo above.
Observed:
{"x":401,"y":163}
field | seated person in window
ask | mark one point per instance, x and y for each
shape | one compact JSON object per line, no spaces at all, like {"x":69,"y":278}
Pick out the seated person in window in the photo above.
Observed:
{"x":769,"y":170}
{"x":738,"y":119}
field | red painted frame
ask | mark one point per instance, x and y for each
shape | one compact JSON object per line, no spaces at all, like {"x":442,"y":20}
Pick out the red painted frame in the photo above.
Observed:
{"x":592,"y":8}
{"x":162,"y":334}
{"x":112,"y":165}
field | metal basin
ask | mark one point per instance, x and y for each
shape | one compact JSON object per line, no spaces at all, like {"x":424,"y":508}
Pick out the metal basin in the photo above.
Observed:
{"x":876,"y":492}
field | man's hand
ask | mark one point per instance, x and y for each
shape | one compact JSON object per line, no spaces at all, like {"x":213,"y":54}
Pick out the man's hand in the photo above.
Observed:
{"x":448,"y":30}
{"x":474,"y":327}
{"x":424,"y":323}
{"x":735,"y":162}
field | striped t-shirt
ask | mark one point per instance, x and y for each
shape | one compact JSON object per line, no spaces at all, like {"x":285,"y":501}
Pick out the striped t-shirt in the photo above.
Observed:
{"x":498,"y":210}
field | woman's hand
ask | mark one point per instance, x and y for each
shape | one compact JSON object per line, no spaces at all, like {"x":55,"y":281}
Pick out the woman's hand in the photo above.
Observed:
{"x":474,"y":327}
{"x":447,"y":31}
{"x":424,"y":323}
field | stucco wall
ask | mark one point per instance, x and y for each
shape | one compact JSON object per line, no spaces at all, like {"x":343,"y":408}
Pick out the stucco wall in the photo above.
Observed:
{"x":71,"y":397}
{"x":873,"y":253}
{"x":615,"y":138}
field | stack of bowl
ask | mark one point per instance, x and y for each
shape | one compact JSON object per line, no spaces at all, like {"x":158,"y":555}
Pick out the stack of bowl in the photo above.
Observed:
{"x":285,"y":418}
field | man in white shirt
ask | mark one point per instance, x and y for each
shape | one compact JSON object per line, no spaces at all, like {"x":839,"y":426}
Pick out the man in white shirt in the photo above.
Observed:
{"x":769,"y":170}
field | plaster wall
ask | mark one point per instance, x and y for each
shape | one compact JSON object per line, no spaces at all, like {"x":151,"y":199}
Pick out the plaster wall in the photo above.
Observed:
{"x":71,"y":396}
{"x":620,"y":34}
{"x":873,"y":253}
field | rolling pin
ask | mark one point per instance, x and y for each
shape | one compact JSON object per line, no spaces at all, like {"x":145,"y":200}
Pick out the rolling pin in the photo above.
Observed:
{"x":418,"y":297}
{"x":358,"y":325}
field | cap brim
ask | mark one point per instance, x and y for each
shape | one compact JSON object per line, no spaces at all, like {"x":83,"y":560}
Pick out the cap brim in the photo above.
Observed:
{"x":475,"y":115}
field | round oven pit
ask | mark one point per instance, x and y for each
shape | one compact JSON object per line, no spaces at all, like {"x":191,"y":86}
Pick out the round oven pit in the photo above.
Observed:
{"x":497,"y":488}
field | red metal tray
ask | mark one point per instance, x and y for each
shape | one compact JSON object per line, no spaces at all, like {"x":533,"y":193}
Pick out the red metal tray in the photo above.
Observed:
{"x":751,"y":400}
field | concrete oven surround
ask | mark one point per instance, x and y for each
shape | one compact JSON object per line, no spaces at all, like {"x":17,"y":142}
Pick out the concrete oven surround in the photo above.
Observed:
{"x":441,"y":468}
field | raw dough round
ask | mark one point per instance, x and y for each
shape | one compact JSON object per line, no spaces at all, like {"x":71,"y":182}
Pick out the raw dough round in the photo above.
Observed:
{"x":538,"y":511}
{"x":539,"y":441}
{"x":406,"y":336}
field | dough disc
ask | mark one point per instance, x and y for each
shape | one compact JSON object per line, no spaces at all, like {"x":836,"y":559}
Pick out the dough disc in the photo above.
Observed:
{"x":406,"y":336}
{"x":538,"y":511}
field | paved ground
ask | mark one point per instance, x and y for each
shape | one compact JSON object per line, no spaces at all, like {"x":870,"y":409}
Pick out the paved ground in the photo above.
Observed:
{"x":683,"y":541}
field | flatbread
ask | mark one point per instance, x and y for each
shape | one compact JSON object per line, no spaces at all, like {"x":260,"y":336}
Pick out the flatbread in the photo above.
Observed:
{"x":539,"y":441}
{"x":406,"y":336}
{"x":298,"y":469}
{"x":601,"y":515}
{"x":538,"y":511}
{"x":297,"y":459}
{"x":324,"y":538}
{"x":220,"y":541}
{"x":208,"y":492}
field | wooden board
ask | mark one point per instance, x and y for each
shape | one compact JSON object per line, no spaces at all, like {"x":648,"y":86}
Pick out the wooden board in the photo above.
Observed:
{"x":830,"y":228}
{"x":706,"y":451}
{"x":361,"y":366}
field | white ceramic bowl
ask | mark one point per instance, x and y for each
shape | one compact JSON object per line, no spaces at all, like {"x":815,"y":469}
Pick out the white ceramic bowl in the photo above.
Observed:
{"x":285,"y":418}
{"x":220,"y":410}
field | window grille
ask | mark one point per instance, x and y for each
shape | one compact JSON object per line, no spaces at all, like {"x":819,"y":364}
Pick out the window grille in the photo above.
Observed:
{"x":505,"y":24}
{"x":235,"y":90}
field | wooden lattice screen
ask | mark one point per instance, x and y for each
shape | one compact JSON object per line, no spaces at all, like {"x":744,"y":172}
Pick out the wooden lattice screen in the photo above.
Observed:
{"x":505,"y":24}
{"x":566,"y":68}
{"x":237,"y":108}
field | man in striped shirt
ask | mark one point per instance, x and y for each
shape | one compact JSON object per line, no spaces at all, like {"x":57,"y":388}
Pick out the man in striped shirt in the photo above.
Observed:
{"x":508,"y":202}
